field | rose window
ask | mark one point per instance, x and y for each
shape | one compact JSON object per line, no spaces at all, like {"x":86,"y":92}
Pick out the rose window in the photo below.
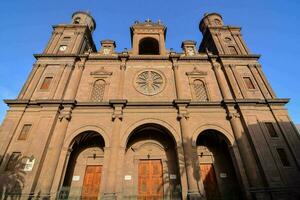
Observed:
{"x":149,"y":82}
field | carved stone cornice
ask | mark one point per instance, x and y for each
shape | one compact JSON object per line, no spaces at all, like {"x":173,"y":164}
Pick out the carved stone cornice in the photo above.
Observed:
{"x":55,"y":55}
{"x":233,"y":56}
{"x":243,"y":102}
{"x":148,"y":57}
{"x":57,"y":32}
{"x":39,"y":102}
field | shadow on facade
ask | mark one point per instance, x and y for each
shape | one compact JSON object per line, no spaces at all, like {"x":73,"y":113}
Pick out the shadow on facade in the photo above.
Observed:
{"x":12,"y":176}
{"x":214,"y":163}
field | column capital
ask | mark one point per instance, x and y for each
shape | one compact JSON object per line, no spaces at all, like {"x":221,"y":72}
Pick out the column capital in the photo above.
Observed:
{"x":182,"y":105}
{"x":118,"y":105}
{"x":123,"y":57}
{"x":66,"y":112}
{"x":233,"y":115}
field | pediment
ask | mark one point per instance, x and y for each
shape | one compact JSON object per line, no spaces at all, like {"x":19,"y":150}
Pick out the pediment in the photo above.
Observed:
{"x":101,"y":72}
{"x":196,"y":72}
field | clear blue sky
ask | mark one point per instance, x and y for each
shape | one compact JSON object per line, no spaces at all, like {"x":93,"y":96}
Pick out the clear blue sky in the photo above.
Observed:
{"x":270,"y":28}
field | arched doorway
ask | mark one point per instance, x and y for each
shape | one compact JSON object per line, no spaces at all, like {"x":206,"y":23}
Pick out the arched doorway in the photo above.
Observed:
{"x":151,"y":166}
{"x":148,"y":46}
{"x":216,"y":167}
{"x":84,"y":168}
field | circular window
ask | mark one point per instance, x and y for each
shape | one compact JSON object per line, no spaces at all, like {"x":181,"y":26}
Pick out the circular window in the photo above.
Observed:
{"x":149,"y":82}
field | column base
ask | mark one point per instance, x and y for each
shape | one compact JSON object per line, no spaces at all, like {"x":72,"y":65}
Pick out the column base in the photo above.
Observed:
{"x":194,"y":196}
{"x":109,"y":196}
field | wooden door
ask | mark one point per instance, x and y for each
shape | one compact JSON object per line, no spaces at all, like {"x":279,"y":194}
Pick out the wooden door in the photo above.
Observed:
{"x":91,"y":182}
{"x":210,"y":182}
{"x":150,"y":180}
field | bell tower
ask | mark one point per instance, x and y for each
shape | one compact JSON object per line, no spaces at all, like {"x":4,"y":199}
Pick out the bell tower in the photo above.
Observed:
{"x":148,"y":38}
{"x":219,"y":38}
{"x":73,"y":38}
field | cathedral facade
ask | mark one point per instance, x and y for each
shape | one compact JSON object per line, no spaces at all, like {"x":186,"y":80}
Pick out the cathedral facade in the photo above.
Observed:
{"x":148,"y":122}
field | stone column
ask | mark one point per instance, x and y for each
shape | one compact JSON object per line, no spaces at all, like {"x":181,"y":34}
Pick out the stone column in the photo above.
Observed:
{"x":259,"y":81}
{"x":251,"y":167}
{"x":220,"y":47}
{"x":123,"y":57}
{"x":74,"y":81}
{"x":221,"y":80}
{"x":53,"y":152}
{"x":35,"y":81}
{"x":262,"y":75}
{"x":233,"y":84}
{"x":114,"y":159}
{"x":27,"y":83}
{"x":189,"y":153}
{"x":78,"y":42}
{"x":53,"y":45}
{"x":64,"y":75}
{"x":239,"y":80}
{"x":174,"y":57}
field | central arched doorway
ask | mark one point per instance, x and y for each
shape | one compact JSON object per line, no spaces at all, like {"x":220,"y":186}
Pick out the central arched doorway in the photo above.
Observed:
{"x":216,"y":167}
{"x":84,"y":168}
{"x":151,"y":165}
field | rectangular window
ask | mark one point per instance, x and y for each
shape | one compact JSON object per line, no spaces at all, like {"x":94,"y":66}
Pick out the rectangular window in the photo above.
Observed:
{"x":249,"y":83}
{"x":13,"y":161}
{"x":283,"y":157}
{"x":271,"y":129}
{"x":46,"y":83}
{"x":24,"y":132}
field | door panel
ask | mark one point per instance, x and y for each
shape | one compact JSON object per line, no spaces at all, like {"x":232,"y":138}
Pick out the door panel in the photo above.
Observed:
{"x":91,"y":182}
{"x":210,"y":182}
{"x":150,"y":180}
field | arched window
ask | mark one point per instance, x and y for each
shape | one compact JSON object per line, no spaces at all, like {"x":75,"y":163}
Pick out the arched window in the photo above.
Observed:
{"x":77,"y":20}
{"x":200,"y":90}
{"x":218,"y":22}
{"x":148,"y":46}
{"x":232,"y":50}
{"x":98,"y":90}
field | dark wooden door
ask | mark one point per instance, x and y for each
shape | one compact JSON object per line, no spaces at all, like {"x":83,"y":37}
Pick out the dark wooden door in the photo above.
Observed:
{"x":150,"y":180}
{"x":91,"y":182}
{"x":210,"y":182}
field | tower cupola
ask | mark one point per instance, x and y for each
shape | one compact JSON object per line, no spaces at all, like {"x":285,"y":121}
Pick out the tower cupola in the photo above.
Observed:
{"x":84,"y":18}
{"x":148,"y":38}
{"x":211,"y":20}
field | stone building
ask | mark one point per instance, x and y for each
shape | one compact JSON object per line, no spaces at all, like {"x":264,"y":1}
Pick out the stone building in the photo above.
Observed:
{"x":148,"y":123}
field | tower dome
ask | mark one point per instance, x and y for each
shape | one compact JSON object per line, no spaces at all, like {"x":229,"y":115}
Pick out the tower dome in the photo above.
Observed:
{"x":210,"y":19}
{"x":84,"y":18}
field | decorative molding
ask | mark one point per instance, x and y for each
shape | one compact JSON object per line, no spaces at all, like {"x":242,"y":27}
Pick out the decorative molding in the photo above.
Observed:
{"x":232,"y":115}
{"x":196,"y":72}
{"x":182,"y":105}
{"x":65,"y":113}
{"x":149,"y":82}
{"x":101,"y":73}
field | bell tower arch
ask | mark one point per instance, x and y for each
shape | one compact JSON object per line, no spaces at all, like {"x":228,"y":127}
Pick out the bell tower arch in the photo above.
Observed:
{"x":148,"y":38}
